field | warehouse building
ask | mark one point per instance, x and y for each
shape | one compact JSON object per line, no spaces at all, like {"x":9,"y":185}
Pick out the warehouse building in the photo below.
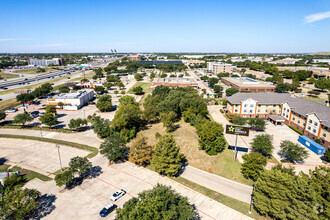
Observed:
{"x":72,"y":101}
{"x":246,"y":84}
{"x":219,"y":67}
{"x":45,"y":62}
{"x":176,"y":82}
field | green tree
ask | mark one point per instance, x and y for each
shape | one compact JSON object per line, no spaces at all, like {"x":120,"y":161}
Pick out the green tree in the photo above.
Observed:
{"x":257,"y":123}
{"x":77,"y":123}
{"x":263,"y":143}
{"x":323,"y":84}
{"x":64,"y":89}
{"x":48,"y":119}
{"x":327,"y":155}
{"x":22,"y":118}
{"x":99,"y":89}
{"x":138,"y":76}
{"x":168,"y":120}
{"x":60,"y":104}
{"x":13,"y":181}
{"x":217,"y":88}
{"x":212,"y":81}
{"x":19,"y":203}
{"x":2,"y":115}
{"x":211,"y":138}
{"x":292,"y":151}
{"x":63,"y":178}
{"x":159,"y":203}
{"x":253,"y":165}
{"x":284,"y":196}
{"x":152,"y":75}
{"x":283,"y":87}
{"x":231,"y":91}
{"x":149,"y":113}
{"x":140,"y":152}
{"x":138,"y":90}
{"x":101,"y":126}
{"x":104,"y":103}
{"x":167,"y":160}
{"x":239,"y":120}
{"x":288,"y":74}
{"x":127,"y":100}
{"x":79,"y":165}
{"x":113,"y":148}
{"x":51,"y":109}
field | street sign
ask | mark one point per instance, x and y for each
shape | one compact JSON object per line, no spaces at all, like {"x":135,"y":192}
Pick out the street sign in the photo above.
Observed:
{"x":238,"y":130}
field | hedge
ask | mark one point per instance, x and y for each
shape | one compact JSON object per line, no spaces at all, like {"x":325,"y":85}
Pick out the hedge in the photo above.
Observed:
{"x":296,"y":130}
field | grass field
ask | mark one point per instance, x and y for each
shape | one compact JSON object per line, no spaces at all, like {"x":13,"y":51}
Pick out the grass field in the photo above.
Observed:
{"x":28,"y":174}
{"x":7,"y":104}
{"x":7,"y":75}
{"x":186,"y":137}
{"x":145,"y":86}
{"x":33,"y":71}
{"x":88,"y":75}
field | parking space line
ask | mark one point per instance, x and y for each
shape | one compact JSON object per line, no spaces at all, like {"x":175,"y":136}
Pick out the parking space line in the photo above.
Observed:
{"x":112,"y":185}
{"x":132,"y":175}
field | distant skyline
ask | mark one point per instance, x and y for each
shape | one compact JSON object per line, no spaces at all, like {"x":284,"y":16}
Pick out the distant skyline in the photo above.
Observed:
{"x":209,"y":26}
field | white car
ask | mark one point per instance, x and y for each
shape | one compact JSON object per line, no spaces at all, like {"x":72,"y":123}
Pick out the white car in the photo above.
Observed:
{"x":117,"y":195}
{"x":11,"y":110}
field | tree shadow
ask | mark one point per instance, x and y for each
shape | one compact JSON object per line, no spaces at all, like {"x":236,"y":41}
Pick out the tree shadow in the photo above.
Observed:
{"x":61,"y":115}
{"x":239,"y":149}
{"x":198,"y":217}
{"x":93,"y":172}
{"x":2,"y":160}
{"x":46,"y":206}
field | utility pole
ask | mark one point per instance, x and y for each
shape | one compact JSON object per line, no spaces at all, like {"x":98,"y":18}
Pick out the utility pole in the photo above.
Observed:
{"x":235,"y":153}
{"x":251,"y":201}
{"x":41,"y":132}
{"x":59,"y":155}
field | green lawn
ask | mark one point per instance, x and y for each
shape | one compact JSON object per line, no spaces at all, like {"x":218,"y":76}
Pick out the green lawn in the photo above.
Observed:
{"x":7,"y":104}
{"x":4,"y":75}
{"x":145,"y":86}
{"x":28,"y":174}
{"x":33,"y":71}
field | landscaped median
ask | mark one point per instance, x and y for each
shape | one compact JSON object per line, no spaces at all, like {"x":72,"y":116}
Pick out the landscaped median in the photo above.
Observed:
{"x":93,"y":151}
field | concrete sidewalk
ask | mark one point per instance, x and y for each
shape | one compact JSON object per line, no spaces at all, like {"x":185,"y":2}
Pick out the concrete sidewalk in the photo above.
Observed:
{"x":219,"y":184}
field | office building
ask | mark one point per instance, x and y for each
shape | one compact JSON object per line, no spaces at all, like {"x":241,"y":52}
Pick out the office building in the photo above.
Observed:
{"x":45,"y":62}
{"x":246,"y":84}
{"x":176,"y":82}
{"x":72,"y":101}
{"x":157,"y":62}
{"x":193,"y":62}
{"x":134,"y":58}
{"x":311,"y":118}
{"x":219,"y":67}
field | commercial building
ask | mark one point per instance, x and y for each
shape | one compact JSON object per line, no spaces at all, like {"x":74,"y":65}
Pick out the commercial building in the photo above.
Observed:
{"x":317,"y":71}
{"x":157,"y":62}
{"x":246,"y":84}
{"x":134,"y":58}
{"x":72,"y":101}
{"x":311,"y":118}
{"x":321,"y":60}
{"x":176,"y":82}
{"x":45,"y":62}
{"x":193,"y":62}
{"x":285,"y":61}
{"x":219,"y":67}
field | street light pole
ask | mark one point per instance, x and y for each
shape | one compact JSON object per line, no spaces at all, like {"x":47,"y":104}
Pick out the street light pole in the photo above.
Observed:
{"x":41,"y":132}
{"x":235,"y":153}
{"x":59,"y":155}
{"x":251,"y":201}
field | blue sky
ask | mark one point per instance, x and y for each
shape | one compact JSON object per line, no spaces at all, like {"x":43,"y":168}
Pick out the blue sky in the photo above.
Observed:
{"x":165,"y":26}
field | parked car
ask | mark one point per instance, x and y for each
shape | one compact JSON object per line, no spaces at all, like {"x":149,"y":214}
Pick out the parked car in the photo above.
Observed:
{"x":106,"y":210}
{"x":34,"y":114}
{"x":41,"y":114}
{"x":11,"y":110}
{"x":117,"y":195}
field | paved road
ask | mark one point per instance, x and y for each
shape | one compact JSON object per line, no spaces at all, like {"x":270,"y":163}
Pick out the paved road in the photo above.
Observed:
{"x":219,"y":184}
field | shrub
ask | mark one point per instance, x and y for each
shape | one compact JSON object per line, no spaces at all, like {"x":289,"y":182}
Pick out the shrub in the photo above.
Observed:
{"x":296,"y":130}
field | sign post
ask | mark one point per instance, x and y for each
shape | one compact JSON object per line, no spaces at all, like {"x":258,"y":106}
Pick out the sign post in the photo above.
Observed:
{"x":237,"y":130}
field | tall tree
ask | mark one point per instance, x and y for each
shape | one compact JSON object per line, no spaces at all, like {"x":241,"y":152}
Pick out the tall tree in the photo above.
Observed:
{"x":48,"y":119}
{"x":22,"y":118}
{"x":113,"y":147}
{"x":263,"y":143}
{"x":168,"y":120}
{"x":253,"y":165}
{"x":293,"y":151}
{"x":79,"y":165}
{"x":167,"y":160}
{"x":140,"y":152}
{"x":104,"y":103}
{"x":211,"y":137}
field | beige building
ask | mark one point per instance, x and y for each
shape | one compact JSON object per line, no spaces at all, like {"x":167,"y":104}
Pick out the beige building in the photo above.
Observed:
{"x":219,"y":67}
{"x":311,"y":118}
{"x":246,"y":84}
{"x":193,"y":62}
{"x":134,"y":58}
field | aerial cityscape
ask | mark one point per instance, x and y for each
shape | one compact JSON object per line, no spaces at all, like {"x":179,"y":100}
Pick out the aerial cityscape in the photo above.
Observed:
{"x":165,"y":110}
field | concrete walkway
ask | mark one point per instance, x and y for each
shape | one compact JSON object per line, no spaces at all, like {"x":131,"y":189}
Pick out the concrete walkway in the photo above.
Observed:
{"x":219,"y":184}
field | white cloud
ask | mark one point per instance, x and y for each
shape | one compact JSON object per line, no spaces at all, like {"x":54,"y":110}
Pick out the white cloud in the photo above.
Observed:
{"x":6,"y":39}
{"x":316,"y":17}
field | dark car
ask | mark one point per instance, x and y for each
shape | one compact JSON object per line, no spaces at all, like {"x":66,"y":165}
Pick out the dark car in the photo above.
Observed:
{"x":106,"y":210}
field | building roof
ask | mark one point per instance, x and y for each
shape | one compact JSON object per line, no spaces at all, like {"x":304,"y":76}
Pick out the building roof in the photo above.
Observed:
{"x":174,"y":80}
{"x":276,"y":118}
{"x":298,"y":105}
{"x":247,"y":82}
{"x":72,"y":95}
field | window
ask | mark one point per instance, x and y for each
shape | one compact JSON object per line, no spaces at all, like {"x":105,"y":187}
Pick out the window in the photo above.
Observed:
{"x":259,"y":105}
{"x":236,"y":110}
{"x":293,"y":118}
{"x":251,"y":105}
{"x":298,"y":121}
{"x":251,"y":111}
{"x":287,"y":110}
{"x":310,"y":121}
{"x":314,"y":130}
{"x":297,"y":127}
{"x":304,"y":124}
{"x":283,"y":114}
{"x":287,"y":116}
{"x":250,"y":116}
{"x":244,"y":116}
{"x":259,"y":110}
{"x":324,"y":135}
{"x":307,"y":135}
{"x":245,"y":105}
{"x":267,"y":105}
{"x":274,"y":110}
{"x":309,"y":128}
{"x":266,"y":110}
{"x":274,"y":105}
{"x":315,"y":123}
{"x":244,"y":111}
{"x":236,"y":105}
{"x":284,"y":109}
{"x":323,"y":141}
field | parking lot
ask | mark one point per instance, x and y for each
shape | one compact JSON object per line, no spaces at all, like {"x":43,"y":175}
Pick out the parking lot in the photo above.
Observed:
{"x":88,"y":199}
{"x":35,"y":155}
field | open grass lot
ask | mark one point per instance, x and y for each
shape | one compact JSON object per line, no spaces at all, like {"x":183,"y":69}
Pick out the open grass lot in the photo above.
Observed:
{"x":88,"y":75}
{"x":186,"y":137}
{"x":4,"y":75}
{"x":145,"y":86}
{"x":28,"y":174}
{"x":7,"y":104}
{"x":33,"y":71}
